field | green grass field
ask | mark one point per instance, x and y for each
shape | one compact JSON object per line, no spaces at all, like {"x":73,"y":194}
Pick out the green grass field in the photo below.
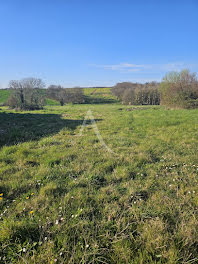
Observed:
{"x":64,"y":198}
{"x":4,"y":95}
{"x":99,"y":95}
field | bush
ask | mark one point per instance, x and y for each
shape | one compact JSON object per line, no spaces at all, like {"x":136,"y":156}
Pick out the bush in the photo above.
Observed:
{"x":26,"y":94}
{"x":179,"y":90}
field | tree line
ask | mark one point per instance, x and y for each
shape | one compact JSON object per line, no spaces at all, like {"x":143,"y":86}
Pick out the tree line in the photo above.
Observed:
{"x":29,"y":94}
{"x":176,"y":90}
{"x":137,"y":93}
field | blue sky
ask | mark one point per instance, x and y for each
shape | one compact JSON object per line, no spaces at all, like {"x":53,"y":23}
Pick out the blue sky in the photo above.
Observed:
{"x":96,"y":42}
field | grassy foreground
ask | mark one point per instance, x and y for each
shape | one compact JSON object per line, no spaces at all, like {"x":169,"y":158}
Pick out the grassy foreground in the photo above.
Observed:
{"x":64,"y":198}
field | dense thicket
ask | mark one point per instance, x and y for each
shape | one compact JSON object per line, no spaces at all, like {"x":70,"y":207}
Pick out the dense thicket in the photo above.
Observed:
{"x":137,"y":94}
{"x":65,"y":95}
{"x":180,"y":90}
{"x":26,"y":94}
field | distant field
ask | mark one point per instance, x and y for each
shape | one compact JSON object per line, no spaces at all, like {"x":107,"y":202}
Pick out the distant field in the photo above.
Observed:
{"x":65,"y":198}
{"x":4,"y":95}
{"x":99,"y":95}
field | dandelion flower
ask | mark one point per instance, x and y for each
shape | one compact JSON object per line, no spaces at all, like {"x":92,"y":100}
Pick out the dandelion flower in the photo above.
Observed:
{"x":32,"y":193}
{"x":27,"y":197}
{"x":31,"y":212}
{"x":1,"y":198}
{"x":1,"y":194}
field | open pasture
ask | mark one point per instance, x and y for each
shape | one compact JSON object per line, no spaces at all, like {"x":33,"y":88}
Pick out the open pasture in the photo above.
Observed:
{"x":65,"y":198}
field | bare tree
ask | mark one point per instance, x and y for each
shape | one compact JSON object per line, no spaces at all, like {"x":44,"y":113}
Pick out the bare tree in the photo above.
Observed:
{"x":65,"y":95}
{"x":57,"y":92}
{"x":75,"y":95}
{"x":27,"y":83}
{"x":26,"y":93}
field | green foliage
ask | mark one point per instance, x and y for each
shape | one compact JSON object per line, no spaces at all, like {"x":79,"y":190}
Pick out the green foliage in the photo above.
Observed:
{"x":66,"y":199}
{"x":179,"y":90}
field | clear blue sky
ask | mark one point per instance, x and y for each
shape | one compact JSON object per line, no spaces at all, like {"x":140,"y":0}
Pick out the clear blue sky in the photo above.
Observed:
{"x":96,"y":42}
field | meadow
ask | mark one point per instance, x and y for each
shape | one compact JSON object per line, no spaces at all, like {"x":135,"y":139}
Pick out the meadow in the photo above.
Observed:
{"x":4,"y":95}
{"x":64,"y":198}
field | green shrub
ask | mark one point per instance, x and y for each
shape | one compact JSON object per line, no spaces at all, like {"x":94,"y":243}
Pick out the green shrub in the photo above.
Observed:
{"x":179,"y":90}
